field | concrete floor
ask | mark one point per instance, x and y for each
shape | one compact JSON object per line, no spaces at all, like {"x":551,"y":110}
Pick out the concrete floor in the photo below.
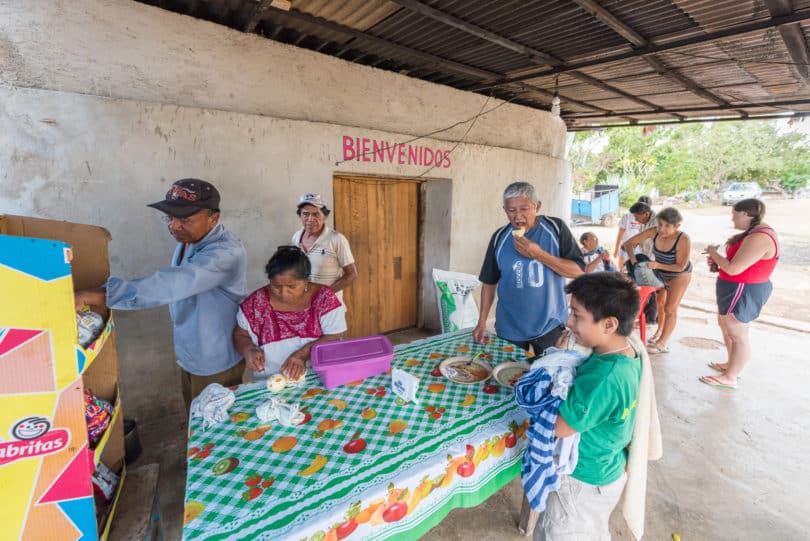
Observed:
{"x":735,"y":463}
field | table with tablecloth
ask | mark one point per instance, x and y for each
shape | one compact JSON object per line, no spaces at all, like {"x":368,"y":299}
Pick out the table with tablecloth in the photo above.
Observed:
{"x":363,"y":464}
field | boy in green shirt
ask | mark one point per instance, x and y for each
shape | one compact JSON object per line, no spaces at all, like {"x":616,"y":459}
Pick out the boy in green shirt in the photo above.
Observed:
{"x":600,"y":406}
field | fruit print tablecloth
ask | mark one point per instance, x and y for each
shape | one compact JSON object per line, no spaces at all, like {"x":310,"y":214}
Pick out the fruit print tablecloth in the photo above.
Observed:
{"x":362,"y":465}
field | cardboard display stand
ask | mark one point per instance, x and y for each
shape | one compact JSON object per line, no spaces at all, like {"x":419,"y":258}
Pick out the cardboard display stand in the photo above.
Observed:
{"x":46,"y":462}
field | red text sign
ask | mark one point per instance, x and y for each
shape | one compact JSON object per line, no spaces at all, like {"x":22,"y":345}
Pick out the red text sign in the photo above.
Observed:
{"x":363,"y":149}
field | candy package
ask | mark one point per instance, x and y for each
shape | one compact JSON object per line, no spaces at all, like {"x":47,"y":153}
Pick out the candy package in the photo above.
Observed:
{"x":97,"y":414}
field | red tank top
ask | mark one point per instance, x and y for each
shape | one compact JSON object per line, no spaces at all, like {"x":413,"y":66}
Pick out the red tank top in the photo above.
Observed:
{"x":758,"y":273}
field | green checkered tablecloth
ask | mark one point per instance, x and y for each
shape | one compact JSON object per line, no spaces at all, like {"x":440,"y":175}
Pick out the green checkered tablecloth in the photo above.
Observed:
{"x":362,"y":465}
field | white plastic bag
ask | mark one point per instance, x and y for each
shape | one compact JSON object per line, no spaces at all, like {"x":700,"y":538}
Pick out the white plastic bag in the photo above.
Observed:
{"x":454,"y":291}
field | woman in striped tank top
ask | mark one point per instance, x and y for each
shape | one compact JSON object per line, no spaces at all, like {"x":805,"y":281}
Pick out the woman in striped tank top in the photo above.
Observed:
{"x":671,"y":249}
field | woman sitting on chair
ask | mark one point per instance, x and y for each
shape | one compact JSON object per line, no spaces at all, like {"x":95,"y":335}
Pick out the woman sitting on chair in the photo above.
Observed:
{"x":278,"y":324}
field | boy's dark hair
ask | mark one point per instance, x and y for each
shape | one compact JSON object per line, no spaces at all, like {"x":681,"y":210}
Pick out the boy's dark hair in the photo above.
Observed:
{"x":640,"y":208}
{"x":607,"y":294}
{"x":289,"y":258}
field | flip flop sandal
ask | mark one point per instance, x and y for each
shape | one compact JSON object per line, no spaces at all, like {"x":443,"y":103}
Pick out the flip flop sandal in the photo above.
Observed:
{"x":714,"y":382}
{"x":655,"y":349}
{"x":716,"y":366}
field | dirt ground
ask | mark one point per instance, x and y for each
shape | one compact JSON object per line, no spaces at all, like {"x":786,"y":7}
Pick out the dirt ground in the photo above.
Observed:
{"x":712,"y":225}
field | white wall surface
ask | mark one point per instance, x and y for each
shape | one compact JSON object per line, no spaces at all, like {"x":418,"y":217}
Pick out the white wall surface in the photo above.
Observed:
{"x":125,"y":49}
{"x":104,"y":104}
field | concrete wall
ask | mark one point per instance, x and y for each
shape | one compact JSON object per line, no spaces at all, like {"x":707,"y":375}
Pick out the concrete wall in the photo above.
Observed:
{"x":103,"y":104}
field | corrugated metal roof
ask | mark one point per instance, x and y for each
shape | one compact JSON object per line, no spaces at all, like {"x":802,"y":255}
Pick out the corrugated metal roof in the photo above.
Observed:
{"x":360,"y":15}
{"x":523,"y":50}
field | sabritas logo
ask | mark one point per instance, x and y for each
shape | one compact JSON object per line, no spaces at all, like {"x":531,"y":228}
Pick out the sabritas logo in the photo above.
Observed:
{"x":34,"y":438}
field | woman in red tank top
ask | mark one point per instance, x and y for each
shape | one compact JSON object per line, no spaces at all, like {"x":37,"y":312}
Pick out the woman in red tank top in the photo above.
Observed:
{"x":743,"y":286}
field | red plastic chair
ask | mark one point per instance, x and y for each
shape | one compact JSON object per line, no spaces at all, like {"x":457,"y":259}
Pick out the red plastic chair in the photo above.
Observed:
{"x":644,"y":293}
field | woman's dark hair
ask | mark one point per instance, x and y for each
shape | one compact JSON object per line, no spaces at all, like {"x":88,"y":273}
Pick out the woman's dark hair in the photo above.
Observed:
{"x":640,"y":207}
{"x":289,"y":258}
{"x":607,"y":294}
{"x":753,"y":208}
{"x":644,"y":199}
{"x":670,"y":215}
{"x":324,"y":209}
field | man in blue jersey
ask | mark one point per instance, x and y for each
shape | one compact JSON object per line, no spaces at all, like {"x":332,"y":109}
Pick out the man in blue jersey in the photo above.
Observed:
{"x":527,"y":262}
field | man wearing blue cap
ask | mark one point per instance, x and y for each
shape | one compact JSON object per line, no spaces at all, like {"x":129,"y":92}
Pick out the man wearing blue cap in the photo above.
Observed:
{"x":203,"y":288}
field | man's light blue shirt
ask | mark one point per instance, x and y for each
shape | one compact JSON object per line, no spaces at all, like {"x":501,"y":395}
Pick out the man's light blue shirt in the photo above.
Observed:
{"x":203,"y":291}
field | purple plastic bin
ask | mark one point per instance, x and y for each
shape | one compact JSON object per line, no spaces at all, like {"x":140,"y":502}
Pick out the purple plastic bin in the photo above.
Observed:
{"x":349,"y":360}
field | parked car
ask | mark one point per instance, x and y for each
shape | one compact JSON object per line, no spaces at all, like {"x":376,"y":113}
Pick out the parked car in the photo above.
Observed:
{"x":737,"y":191}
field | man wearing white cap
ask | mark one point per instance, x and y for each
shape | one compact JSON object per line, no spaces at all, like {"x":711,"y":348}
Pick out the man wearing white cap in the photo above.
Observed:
{"x":328,"y":251}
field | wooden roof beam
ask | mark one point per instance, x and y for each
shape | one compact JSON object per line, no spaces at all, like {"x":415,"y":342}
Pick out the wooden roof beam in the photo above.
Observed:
{"x":641,"y":123}
{"x":585,"y":78}
{"x":637,"y":40}
{"x":703,"y":108}
{"x":261,"y":9}
{"x":475,"y":30}
{"x":773,"y":22}
{"x":793,"y":37}
{"x":612,"y":22}
{"x":564,"y":99}
{"x":535,"y":56}
{"x":428,"y":59}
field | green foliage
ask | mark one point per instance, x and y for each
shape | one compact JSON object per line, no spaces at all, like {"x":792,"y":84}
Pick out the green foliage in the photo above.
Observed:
{"x":792,"y":182}
{"x":688,"y":158}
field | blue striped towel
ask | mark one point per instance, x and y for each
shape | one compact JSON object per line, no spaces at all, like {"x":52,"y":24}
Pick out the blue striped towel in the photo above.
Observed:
{"x":538,"y":474}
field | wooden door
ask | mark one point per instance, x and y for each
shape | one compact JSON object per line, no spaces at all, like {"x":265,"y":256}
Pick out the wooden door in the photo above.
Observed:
{"x":381,"y":220}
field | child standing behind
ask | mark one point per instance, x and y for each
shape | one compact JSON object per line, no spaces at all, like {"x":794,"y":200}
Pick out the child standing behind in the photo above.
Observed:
{"x":596,"y":257}
{"x":601,"y":406}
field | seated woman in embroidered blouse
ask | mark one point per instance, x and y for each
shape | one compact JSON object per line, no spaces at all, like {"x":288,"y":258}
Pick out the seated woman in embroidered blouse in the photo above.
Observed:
{"x":277,"y":325}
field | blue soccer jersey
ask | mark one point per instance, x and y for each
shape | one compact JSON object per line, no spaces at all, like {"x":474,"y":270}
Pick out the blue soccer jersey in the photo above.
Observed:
{"x":531,"y":296}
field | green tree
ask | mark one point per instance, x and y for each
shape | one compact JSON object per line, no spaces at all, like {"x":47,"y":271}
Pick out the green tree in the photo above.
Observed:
{"x":690,"y":157}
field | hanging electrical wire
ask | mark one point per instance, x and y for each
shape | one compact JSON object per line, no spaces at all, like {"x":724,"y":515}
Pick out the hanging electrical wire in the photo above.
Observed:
{"x":472,"y":119}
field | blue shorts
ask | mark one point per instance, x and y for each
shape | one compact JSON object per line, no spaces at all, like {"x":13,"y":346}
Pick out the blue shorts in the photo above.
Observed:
{"x":744,"y":301}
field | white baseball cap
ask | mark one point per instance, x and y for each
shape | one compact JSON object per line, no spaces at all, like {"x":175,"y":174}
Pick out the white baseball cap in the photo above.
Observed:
{"x":313,"y":199}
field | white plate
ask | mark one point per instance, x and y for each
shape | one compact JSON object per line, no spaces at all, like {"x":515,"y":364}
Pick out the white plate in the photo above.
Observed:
{"x":508,"y":373}
{"x":456,"y":370}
